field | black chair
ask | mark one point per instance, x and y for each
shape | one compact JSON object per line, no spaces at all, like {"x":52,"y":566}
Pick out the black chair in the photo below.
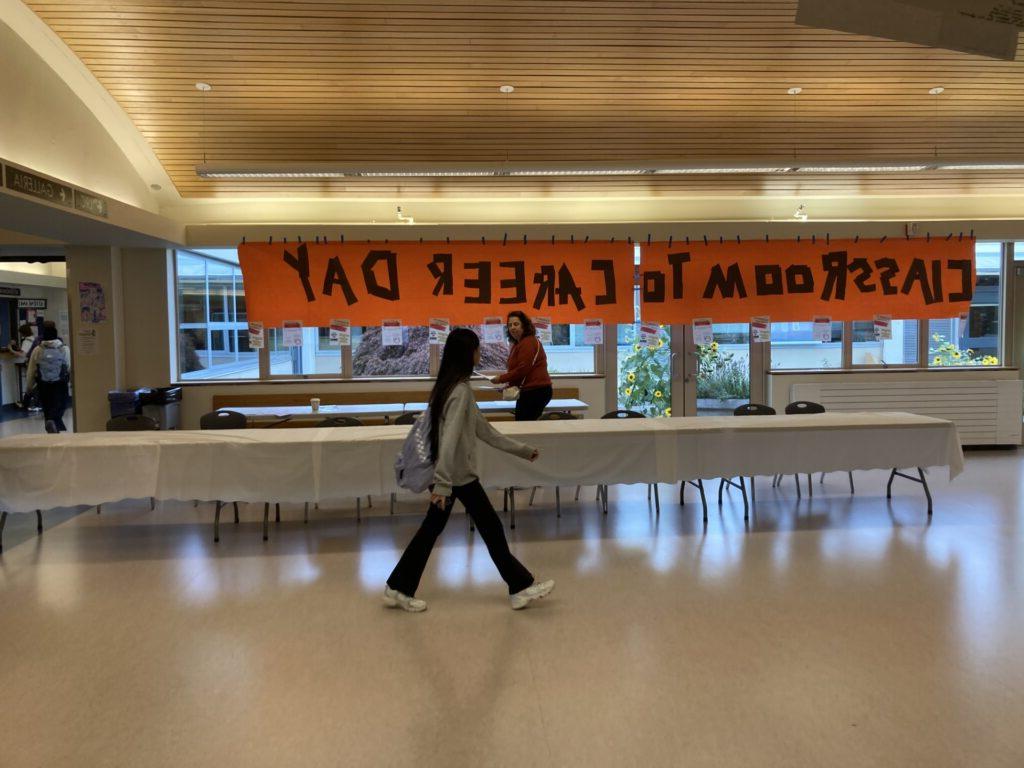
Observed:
{"x":602,"y":490}
{"x":556,"y":416}
{"x":231,"y":420}
{"x":809,"y":407}
{"x":130,"y":423}
{"x":341,"y":421}
{"x":747,"y":409}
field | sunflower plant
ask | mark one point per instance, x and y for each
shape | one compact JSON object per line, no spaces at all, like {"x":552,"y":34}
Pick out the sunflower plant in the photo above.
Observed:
{"x":945,"y":353}
{"x":720,"y":376}
{"x":645,"y":379}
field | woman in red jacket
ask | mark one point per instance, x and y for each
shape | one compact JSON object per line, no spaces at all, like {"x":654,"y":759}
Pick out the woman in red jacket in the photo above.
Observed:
{"x":527,"y":368}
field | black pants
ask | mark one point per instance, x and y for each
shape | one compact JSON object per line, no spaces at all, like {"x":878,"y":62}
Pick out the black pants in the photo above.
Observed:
{"x":531,"y":403}
{"x":53,"y":397}
{"x":406,"y":576}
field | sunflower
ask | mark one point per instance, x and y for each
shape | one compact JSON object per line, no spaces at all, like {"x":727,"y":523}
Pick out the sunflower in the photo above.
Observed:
{"x":657,"y":394}
{"x":636,"y":347}
{"x":627,"y":391}
{"x":668,"y":411}
{"x":936,"y":360}
{"x":956,"y":355}
{"x":714,"y":345}
{"x":630,"y":377}
{"x":661,"y":342}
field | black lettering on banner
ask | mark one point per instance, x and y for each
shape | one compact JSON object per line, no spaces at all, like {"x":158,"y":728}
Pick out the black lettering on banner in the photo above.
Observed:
{"x":865,"y":270}
{"x":888,"y":269}
{"x":545,"y":280}
{"x":653,"y":286}
{"x":335,"y":275}
{"x":301,"y":265}
{"x":918,"y":273}
{"x":676,"y":260}
{"x":441,"y":268}
{"x":608,"y":267}
{"x":937,"y":279}
{"x":373,"y":287}
{"x":728,"y":283}
{"x":481,"y":283}
{"x":799,"y":279}
{"x":834,"y":264}
{"x":965,"y":267}
{"x":768,"y":279}
{"x":517,"y":281}
{"x":567,"y":288}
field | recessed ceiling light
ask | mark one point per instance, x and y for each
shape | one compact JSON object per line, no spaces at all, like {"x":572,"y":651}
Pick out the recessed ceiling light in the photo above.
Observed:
{"x":506,"y":88}
{"x":155,"y":187}
{"x":861,"y":168}
{"x":204,"y":87}
{"x":936,"y":90}
{"x":795,"y":91}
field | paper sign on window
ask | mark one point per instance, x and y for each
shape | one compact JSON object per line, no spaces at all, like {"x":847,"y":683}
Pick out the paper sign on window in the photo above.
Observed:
{"x":494,"y":330}
{"x":761,"y":328}
{"x":341,"y":333}
{"x":593,"y":332}
{"x":649,"y":333}
{"x":391,"y":333}
{"x":292,"y":336}
{"x":439,"y":330}
{"x":542,"y":326}
{"x":256,"y":335}
{"x":703,"y":331}
{"x":964,"y":321}
{"x":883,"y":327}
{"x":822,"y":330}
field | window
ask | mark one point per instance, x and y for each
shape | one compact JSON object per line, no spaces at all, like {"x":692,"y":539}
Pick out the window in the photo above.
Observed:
{"x":901,"y":349}
{"x":212,"y":327}
{"x":976,"y":339}
{"x":371,"y":359}
{"x":794,"y":347}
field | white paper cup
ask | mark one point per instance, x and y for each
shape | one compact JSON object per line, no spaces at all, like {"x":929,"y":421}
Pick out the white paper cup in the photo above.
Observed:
{"x":314,"y":403}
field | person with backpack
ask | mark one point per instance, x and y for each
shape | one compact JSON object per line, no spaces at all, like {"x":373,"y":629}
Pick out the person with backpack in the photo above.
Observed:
{"x":455,"y":424}
{"x":49,"y":368}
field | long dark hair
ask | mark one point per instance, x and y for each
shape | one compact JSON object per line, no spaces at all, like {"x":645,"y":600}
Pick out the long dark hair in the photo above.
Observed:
{"x":528,"y":329}
{"x":456,"y":367}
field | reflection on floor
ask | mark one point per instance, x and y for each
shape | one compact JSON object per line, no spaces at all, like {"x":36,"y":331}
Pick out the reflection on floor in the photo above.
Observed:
{"x":833,"y":631}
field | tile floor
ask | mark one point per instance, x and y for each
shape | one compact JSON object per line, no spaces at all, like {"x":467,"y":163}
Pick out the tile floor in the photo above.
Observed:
{"x":835,"y":631}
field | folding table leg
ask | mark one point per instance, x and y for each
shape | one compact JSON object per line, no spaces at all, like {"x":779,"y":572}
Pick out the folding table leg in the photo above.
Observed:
{"x":359,"y":511}
{"x":577,"y":494}
{"x":266,"y":519}
{"x":558,"y":502}
{"x":3,"y":522}
{"x":919,"y":479}
{"x":277,"y":512}
{"x":796,"y":478}
{"x":152,"y":503}
{"x":810,"y":490}
{"x":721,"y":487}
{"x":512,"y":507}
{"x":305,"y":512}
{"x":746,"y":504}
{"x":851,"y":481}
{"x":927,"y":491}
{"x":703,"y":500}
{"x":216,"y":523}
{"x":753,"y":489}
{"x":39,"y":521}
{"x":532,"y":494}
{"x":657,"y":500}
{"x":235,"y":505}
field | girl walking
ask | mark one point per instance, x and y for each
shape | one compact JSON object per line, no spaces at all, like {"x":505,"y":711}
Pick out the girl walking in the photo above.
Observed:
{"x":455,"y":425}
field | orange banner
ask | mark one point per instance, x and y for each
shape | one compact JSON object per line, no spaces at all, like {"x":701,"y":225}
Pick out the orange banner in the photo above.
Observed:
{"x":792,"y":281}
{"x":414,"y":282}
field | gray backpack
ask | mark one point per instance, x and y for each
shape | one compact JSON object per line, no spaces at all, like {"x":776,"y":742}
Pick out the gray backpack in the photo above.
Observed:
{"x":52,"y":364}
{"x":414,"y":469}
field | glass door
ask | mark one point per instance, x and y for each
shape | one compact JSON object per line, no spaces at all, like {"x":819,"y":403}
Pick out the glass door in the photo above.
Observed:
{"x":717,"y":375}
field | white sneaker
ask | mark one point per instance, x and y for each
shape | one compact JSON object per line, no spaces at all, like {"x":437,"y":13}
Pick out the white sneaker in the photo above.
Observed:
{"x":395,"y":599}
{"x":533,"y":592}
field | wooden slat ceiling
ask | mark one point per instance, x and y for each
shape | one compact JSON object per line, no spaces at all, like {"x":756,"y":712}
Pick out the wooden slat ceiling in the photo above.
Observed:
{"x":615,"y":81}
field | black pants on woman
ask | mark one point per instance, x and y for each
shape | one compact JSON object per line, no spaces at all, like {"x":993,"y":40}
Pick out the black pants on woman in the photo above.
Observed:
{"x":53,"y":397}
{"x":406,"y":576}
{"x":531,"y":403}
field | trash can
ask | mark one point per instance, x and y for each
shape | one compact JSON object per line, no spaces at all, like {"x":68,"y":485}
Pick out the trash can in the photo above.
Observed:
{"x":124,"y":402}
{"x":163,"y":405}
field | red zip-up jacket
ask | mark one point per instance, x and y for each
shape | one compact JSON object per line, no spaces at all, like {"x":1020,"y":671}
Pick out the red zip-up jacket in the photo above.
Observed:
{"x":523,"y":372}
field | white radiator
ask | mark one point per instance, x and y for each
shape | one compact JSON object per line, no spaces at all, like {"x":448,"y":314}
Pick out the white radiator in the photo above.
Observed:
{"x":985,"y":411}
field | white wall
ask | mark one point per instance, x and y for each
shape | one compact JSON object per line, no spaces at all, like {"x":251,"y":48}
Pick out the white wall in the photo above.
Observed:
{"x":45,"y":126}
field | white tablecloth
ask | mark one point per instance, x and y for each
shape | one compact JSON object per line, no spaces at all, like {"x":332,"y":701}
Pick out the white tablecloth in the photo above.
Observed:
{"x":297,"y":465}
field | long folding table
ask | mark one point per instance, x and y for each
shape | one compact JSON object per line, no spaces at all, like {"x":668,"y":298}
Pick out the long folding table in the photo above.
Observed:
{"x":40,"y":472}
